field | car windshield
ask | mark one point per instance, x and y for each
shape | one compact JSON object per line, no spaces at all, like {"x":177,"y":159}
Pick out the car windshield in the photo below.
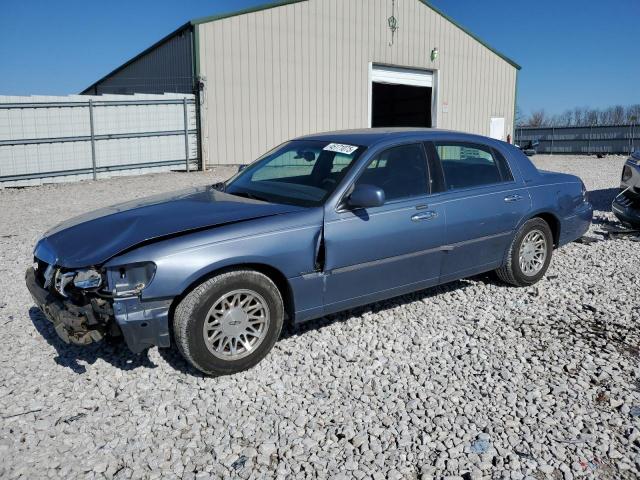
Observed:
{"x":300,"y":172}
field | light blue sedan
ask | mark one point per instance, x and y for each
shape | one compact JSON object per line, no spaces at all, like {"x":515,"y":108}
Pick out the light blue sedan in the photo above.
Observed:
{"x":320,"y":224}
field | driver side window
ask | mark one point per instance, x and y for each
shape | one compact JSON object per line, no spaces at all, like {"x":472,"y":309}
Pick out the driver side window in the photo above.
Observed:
{"x":401,"y":172}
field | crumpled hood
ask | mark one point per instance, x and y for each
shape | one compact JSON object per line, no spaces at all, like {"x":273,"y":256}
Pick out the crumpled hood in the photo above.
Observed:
{"x":97,"y":236}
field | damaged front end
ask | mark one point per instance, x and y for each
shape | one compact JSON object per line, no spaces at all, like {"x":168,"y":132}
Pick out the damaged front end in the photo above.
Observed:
{"x":86,"y":305}
{"x":77,"y":316}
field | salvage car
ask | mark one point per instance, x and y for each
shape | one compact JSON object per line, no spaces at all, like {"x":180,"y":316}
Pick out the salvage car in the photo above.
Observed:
{"x":626,"y":205}
{"x":320,"y":224}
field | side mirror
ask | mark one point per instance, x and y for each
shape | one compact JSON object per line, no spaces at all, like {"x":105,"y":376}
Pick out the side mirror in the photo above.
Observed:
{"x":241,"y":167}
{"x":366,"y":196}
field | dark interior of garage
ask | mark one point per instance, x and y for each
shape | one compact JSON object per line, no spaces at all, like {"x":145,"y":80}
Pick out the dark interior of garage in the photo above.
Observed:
{"x":400,"y":106}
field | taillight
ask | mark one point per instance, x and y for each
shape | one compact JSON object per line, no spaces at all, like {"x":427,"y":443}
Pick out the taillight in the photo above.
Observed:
{"x":626,"y":173}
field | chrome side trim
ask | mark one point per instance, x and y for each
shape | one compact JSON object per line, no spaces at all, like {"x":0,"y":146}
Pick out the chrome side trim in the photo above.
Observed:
{"x":382,"y":261}
{"x":311,"y":275}
{"x":479,"y":239}
{"x":443,"y":248}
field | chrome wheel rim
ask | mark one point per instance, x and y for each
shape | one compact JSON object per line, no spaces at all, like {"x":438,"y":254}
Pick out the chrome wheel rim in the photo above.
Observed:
{"x":236,"y":324}
{"x":533,"y":253}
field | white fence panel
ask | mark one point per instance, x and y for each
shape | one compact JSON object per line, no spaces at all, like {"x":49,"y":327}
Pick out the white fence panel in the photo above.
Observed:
{"x":45,"y":139}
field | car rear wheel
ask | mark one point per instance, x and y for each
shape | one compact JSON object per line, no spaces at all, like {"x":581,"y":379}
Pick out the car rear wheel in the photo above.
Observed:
{"x":529,"y":254}
{"x":229,"y":323}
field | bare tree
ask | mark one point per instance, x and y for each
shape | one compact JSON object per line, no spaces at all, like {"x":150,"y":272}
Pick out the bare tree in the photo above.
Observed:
{"x":552,"y":121}
{"x":582,"y":117}
{"x":604,"y":116}
{"x":591,"y":117}
{"x":632,"y":115}
{"x":520,"y":117}
{"x":565,"y":119}
{"x":617,"y":115}
{"x":537,"y":119}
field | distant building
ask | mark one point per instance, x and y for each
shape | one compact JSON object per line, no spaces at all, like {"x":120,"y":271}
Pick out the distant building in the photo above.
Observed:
{"x":267,"y":74}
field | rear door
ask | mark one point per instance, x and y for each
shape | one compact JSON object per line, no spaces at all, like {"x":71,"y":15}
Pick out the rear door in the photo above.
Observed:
{"x":384,"y":251}
{"x":484,"y":203}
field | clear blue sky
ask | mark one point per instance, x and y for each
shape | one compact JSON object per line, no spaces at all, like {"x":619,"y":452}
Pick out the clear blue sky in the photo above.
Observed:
{"x":573,"y":52}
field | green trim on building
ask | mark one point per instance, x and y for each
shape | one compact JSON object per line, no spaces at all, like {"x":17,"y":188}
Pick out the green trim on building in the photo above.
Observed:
{"x":472,"y":35}
{"x":515,"y":108}
{"x":257,"y":8}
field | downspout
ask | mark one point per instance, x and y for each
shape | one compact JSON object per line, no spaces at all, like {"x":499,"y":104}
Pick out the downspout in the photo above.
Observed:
{"x":515,"y":108}
{"x":198,"y":91}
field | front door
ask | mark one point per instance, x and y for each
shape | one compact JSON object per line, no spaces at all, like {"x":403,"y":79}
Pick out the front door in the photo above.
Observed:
{"x":388,"y":250}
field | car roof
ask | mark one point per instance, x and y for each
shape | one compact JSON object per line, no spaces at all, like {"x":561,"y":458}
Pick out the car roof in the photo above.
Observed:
{"x":371,"y":136}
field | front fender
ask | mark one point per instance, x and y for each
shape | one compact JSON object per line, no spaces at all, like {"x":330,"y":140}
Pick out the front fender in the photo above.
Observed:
{"x":184,"y":283}
{"x":285,"y":243}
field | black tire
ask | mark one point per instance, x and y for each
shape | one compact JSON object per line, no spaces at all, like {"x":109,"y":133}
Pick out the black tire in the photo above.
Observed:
{"x":511,"y":272}
{"x":192,"y":312}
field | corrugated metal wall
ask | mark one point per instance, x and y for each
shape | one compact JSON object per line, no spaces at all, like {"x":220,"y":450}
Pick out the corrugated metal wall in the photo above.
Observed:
{"x":597,"y":139}
{"x":45,"y":144}
{"x":166,"y":67}
{"x":304,"y":67}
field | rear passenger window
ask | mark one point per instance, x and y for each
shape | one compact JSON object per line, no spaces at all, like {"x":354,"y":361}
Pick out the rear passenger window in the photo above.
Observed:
{"x":468,"y":165}
{"x":400,"y":171}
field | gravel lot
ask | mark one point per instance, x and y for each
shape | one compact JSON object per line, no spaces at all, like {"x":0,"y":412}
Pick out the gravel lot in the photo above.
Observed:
{"x":470,"y":380}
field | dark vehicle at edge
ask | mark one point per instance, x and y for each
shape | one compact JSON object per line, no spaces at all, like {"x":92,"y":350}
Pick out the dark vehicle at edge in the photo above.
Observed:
{"x":320,"y":224}
{"x":529,"y":148}
{"x":626,"y":205}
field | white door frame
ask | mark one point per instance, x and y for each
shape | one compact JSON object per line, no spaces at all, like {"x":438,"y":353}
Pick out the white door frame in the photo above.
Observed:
{"x":397,"y":75}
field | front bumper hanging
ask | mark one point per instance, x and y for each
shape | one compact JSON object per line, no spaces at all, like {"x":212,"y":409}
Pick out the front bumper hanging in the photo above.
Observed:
{"x":72,"y":323}
{"x":142,"y":324}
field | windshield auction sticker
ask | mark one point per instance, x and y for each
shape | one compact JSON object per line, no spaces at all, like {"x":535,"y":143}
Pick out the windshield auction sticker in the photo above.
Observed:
{"x":340,"y":148}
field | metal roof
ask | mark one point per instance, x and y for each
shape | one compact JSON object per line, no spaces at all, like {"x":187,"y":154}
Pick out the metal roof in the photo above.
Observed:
{"x":428,"y":3}
{"x":235,"y":13}
{"x":164,"y":39}
{"x":266,"y":6}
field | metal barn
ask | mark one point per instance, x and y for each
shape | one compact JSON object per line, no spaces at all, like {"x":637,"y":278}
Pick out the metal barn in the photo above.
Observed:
{"x":290,"y":68}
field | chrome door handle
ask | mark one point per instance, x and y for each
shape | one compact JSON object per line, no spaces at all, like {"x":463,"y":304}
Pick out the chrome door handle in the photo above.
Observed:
{"x":430,"y":215}
{"x":513,"y":198}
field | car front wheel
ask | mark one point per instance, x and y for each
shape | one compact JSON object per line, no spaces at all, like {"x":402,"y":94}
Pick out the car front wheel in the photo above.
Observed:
{"x":229,"y":323}
{"x":529,"y":254}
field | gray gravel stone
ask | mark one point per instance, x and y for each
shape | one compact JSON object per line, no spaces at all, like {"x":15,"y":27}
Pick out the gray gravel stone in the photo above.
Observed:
{"x":545,"y":377}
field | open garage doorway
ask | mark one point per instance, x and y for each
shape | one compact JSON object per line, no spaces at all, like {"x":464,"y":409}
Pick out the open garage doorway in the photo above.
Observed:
{"x":401,"y":97}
